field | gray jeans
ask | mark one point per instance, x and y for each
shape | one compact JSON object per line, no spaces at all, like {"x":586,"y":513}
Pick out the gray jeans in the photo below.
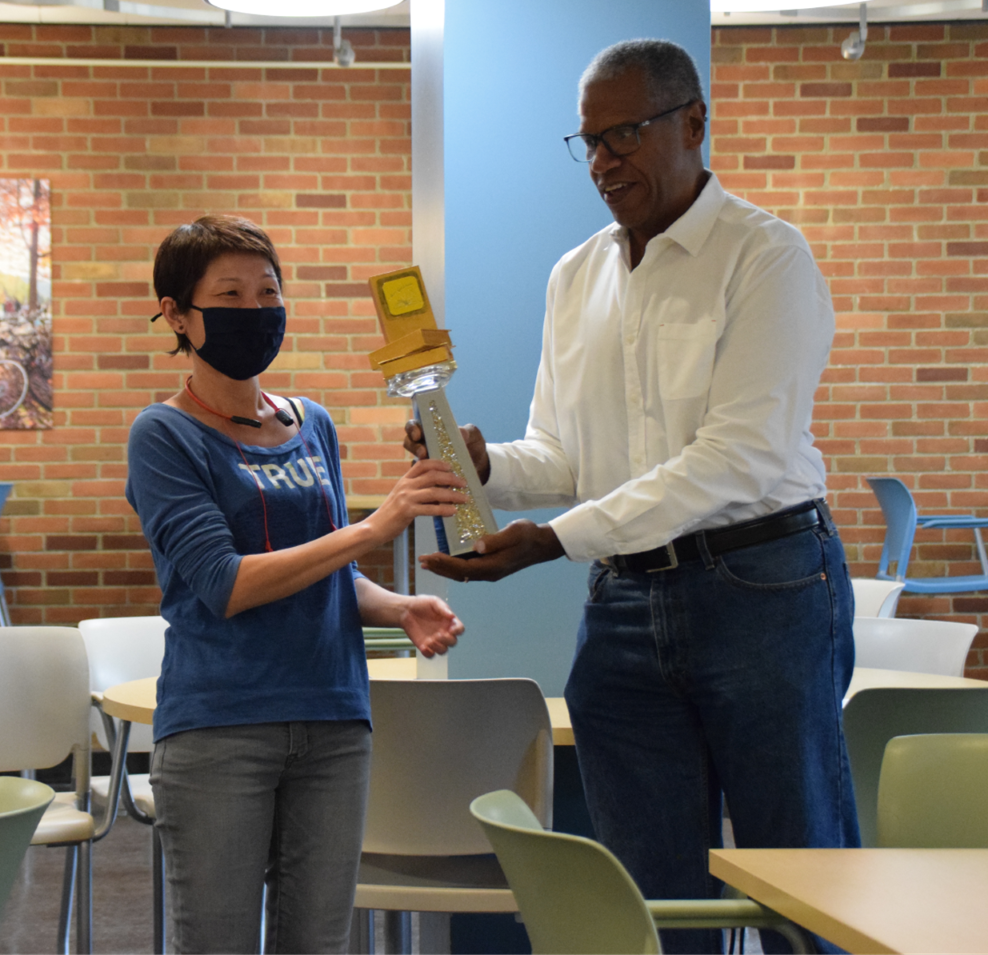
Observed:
{"x":277,"y":802}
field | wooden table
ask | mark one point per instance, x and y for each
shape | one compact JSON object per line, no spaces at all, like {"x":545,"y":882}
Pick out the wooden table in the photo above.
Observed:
{"x":870,"y":900}
{"x":135,"y":701}
{"x":865,"y":678}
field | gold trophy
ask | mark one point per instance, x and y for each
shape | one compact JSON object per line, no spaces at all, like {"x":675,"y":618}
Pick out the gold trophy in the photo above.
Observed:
{"x":416,"y":362}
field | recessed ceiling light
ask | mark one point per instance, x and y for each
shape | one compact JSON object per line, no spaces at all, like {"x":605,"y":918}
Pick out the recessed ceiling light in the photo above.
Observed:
{"x":305,"y":8}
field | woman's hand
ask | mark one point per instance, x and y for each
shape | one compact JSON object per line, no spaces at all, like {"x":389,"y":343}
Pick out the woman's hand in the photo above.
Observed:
{"x":428,"y":489}
{"x":474,"y":440}
{"x":430,"y":625}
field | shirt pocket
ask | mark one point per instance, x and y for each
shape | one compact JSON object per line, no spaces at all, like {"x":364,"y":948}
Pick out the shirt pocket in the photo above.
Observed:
{"x":685,"y":358}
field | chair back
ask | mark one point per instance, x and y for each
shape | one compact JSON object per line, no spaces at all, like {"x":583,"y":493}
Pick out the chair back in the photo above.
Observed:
{"x":931,"y":794}
{"x":22,"y":804}
{"x":875,"y":598}
{"x":873,"y":716}
{"x":917,"y":646}
{"x":899,"y":511}
{"x":44,"y":699}
{"x":572,"y":893}
{"x":440,"y":743}
{"x":121,"y":649}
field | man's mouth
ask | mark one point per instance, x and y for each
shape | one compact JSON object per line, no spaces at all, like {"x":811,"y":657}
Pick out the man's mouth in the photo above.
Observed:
{"x":614,"y":192}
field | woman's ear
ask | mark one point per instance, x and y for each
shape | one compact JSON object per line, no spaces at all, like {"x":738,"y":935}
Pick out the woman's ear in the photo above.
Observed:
{"x":172,"y":314}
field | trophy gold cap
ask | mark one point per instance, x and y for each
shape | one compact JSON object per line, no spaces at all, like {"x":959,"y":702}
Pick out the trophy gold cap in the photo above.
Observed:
{"x":408,"y":323}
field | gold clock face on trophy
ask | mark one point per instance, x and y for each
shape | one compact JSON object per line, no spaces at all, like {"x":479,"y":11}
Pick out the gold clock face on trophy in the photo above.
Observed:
{"x":403,"y":295}
{"x":402,"y":303}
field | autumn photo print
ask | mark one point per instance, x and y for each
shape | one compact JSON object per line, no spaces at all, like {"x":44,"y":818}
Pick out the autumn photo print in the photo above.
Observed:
{"x":25,"y":304}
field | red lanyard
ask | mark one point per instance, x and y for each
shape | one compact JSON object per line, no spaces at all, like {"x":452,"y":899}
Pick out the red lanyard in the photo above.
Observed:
{"x":285,"y":419}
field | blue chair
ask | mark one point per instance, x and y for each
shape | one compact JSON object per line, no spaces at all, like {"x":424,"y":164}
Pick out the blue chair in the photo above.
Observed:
{"x":5,"y":489}
{"x":901,"y":521}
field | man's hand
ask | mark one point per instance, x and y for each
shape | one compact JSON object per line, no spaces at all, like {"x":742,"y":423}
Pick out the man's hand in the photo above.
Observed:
{"x":476,"y":445}
{"x":519,"y":545}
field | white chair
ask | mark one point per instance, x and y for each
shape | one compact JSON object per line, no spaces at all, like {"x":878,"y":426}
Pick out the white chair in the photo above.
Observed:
{"x":917,"y":646}
{"x":875,"y":598}
{"x":438,"y":744}
{"x":121,"y":649}
{"x":44,"y":717}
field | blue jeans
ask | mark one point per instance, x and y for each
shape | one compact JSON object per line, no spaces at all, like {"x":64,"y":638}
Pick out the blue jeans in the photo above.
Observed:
{"x":724,"y":675}
{"x":278,"y":802}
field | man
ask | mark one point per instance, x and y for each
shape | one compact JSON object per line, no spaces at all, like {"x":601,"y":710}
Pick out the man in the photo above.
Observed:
{"x":672,"y":409}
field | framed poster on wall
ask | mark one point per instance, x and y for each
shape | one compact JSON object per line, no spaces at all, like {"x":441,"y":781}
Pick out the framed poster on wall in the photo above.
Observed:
{"x":25,"y":304}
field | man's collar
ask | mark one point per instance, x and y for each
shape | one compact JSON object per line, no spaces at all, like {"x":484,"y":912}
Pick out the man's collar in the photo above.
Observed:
{"x":691,"y":229}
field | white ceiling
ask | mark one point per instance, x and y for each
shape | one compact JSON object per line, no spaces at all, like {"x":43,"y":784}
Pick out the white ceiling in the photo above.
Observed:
{"x":198,"y":12}
{"x":175,"y":13}
{"x":879,"y":11}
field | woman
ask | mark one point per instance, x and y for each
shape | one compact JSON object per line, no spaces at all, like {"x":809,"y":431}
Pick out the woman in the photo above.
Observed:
{"x":262,"y":727}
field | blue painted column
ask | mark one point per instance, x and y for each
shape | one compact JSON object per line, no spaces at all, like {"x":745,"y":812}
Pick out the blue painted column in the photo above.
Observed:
{"x":511,"y":201}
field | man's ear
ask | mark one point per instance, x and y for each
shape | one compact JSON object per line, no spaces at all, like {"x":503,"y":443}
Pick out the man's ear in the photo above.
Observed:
{"x":696,"y":124}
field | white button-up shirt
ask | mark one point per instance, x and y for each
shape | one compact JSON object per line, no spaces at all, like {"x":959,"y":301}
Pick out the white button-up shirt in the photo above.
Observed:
{"x":676,"y":396}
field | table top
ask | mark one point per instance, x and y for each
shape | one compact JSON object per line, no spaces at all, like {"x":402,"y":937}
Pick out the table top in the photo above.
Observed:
{"x":135,"y":701}
{"x":870,"y":900}
{"x":866,"y":678}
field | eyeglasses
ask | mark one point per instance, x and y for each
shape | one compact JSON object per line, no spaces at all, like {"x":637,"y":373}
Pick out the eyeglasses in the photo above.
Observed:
{"x":620,"y":140}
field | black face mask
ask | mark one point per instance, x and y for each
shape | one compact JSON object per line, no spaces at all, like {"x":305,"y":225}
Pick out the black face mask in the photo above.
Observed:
{"x":241,"y":342}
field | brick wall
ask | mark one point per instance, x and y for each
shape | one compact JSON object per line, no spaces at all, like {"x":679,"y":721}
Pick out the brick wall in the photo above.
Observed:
{"x":882,"y":163}
{"x":318,"y":156}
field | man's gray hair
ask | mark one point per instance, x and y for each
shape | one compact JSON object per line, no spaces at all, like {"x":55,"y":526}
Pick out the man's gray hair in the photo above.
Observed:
{"x":669,"y":70}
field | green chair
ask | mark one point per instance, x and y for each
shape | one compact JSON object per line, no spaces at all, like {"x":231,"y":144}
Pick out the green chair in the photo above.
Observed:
{"x":931,"y":794}
{"x":387,"y":638}
{"x":872,"y":717}
{"x":22,"y":804}
{"x":575,"y":896}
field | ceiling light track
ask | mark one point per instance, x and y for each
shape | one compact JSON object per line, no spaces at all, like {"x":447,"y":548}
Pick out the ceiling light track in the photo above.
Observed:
{"x":199,"y":64}
{"x":936,"y":8}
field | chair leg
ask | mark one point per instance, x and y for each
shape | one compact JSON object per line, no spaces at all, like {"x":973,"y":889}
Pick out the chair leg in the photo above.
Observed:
{"x":65,"y":910}
{"x":397,"y":933}
{"x":800,"y":941}
{"x":261,"y":947}
{"x":158,"y":880}
{"x":362,"y":932}
{"x":982,"y":556}
{"x":84,"y":907}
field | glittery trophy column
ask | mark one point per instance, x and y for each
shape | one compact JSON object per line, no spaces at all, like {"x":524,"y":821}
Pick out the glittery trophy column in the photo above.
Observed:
{"x":416,"y":362}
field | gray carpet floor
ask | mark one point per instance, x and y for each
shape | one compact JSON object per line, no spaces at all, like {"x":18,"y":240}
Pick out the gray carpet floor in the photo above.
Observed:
{"x":122,"y":914}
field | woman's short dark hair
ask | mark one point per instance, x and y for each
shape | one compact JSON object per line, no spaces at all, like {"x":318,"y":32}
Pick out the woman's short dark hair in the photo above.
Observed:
{"x":186,"y":253}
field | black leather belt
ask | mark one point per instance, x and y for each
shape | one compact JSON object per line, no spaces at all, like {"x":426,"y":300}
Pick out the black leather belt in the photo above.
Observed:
{"x":720,"y":540}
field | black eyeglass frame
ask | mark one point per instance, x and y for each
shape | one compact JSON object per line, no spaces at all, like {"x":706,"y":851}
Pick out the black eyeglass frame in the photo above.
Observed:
{"x":593,"y":140}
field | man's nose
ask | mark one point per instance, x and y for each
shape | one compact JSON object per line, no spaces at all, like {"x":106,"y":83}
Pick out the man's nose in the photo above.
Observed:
{"x":603,"y":159}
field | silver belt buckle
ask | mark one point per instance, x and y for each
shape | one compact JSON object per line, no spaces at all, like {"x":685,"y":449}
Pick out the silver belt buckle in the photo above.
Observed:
{"x":673,"y":560}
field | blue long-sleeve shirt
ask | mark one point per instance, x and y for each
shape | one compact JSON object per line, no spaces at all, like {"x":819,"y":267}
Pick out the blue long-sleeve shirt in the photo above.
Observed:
{"x":200,"y":505}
